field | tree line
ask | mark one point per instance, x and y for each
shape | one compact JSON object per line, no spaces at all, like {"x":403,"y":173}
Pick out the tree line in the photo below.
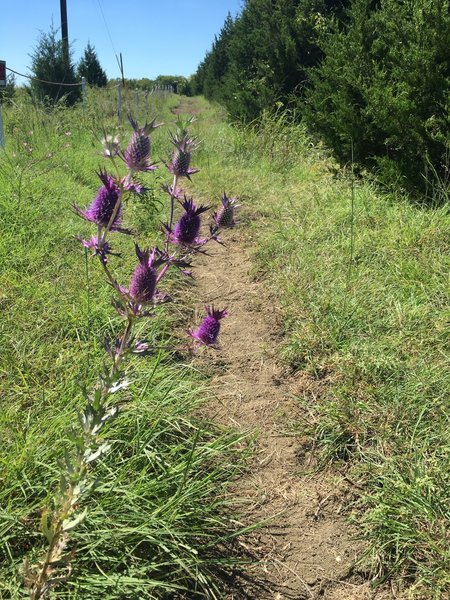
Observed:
{"x":370,"y":77}
{"x":51,"y":64}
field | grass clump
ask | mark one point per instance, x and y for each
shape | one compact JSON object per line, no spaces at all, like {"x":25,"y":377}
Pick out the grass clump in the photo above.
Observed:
{"x":158,"y":521}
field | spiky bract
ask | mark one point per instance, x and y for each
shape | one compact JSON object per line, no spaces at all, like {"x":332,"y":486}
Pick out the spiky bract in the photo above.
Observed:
{"x":137,"y":154}
{"x":144,"y":278}
{"x":110,"y":145}
{"x":181,"y":157}
{"x":186,"y":230}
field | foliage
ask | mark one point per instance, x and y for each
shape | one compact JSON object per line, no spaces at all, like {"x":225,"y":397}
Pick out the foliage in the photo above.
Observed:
{"x":90,"y":68}
{"x":169,"y":468}
{"x":177,"y":83}
{"x":371,"y":78}
{"x":263,"y":56}
{"x":49,"y":64}
{"x":7,"y":93}
{"x":381,"y":94}
{"x":360,"y":282}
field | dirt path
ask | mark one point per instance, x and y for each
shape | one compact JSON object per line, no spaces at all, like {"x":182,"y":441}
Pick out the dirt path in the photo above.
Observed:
{"x":307,"y":549}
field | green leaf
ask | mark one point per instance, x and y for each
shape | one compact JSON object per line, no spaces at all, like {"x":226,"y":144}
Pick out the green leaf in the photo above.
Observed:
{"x":70,"y":524}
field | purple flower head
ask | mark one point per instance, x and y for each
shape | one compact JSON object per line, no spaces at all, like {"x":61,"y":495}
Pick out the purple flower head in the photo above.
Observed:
{"x":186,"y":230}
{"x":208,"y":330}
{"x":181,"y":156}
{"x":105,"y":206}
{"x":137,"y":154}
{"x":224,"y":216}
{"x":144,"y":278}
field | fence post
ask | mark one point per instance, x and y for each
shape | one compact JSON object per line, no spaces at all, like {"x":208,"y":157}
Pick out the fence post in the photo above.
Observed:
{"x":119,"y":101}
{"x":83,"y":89}
{"x":2,"y":135}
{"x":136,"y":95}
{"x":146,"y":101}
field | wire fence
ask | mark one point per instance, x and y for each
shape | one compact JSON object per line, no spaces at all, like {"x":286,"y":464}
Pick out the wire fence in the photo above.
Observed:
{"x":118,"y":99}
{"x":154,"y":88}
{"x":31,"y":77}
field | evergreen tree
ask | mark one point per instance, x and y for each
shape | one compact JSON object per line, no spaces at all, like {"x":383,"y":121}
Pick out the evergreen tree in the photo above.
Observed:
{"x":264,"y":55}
{"x":90,"y":68}
{"x":381,"y":93}
{"x":49,"y":64}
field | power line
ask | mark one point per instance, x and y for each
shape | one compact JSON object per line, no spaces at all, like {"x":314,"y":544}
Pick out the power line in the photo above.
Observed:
{"x":119,"y":62}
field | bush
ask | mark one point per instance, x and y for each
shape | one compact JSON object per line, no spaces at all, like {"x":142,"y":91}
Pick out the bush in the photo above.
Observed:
{"x":380,"y":95}
{"x":50,"y":65}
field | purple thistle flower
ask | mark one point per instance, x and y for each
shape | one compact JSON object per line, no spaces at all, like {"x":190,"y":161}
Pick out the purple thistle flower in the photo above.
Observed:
{"x":144,"y":278}
{"x":181,"y":156}
{"x":224,"y":216}
{"x":102,"y":207}
{"x":186,"y":230}
{"x":208,"y":330}
{"x":137,"y":154}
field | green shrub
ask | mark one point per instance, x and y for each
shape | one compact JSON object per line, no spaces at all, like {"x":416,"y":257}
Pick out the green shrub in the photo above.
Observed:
{"x":49,"y":65}
{"x":90,"y":67}
{"x":381,"y":93}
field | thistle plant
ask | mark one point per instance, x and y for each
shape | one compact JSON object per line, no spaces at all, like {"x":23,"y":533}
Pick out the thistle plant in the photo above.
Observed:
{"x":208,"y":331}
{"x":186,"y":230}
{"x":179,"y":166}
{"x":137,"y":154}
{"x":136,"y":301}
{"x":224,"y":216}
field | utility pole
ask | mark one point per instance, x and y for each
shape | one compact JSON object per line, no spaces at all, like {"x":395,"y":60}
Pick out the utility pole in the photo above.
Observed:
{"x":64,"y":31}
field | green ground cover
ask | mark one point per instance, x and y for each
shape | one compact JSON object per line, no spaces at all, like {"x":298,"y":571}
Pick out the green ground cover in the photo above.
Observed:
{"x":157,"y":523}
{"x":362,"y":282}
{"x":362,"y":279}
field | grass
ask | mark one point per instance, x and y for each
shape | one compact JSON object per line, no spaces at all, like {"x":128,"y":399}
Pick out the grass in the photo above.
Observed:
{"x":364,"y":297}
{"x":159,"y":521}
{"x":361,"y":284}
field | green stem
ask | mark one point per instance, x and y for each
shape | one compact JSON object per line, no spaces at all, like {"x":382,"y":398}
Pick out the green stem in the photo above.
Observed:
{"x":172,"y":203}
{"x":86,"y":265}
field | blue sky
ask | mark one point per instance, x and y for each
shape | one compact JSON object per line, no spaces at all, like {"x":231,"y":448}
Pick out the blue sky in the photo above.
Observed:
{"x":156,"y":37}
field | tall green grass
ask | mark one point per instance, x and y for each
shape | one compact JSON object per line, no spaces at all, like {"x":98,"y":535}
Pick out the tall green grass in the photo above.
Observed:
{"x":362,"y":281}
{"x":159,"y":522}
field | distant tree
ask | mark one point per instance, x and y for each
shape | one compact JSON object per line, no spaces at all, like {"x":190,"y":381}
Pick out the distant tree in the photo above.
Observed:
{"x":49,"y":64}
{"x":169,"y":80}
{"x":89,"y":67}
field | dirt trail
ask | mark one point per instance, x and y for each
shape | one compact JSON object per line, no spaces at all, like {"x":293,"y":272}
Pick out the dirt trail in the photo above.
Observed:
{"x":307,"y":549}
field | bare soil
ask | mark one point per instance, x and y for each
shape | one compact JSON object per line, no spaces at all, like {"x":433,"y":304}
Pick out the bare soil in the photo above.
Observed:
{"x":307,"y":549}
